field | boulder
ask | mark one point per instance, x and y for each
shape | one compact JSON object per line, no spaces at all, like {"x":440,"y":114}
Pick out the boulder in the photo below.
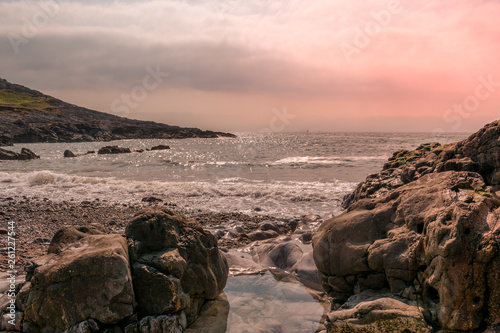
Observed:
{"x":113,"y":150}
{"x":160,"y":147}
{"x":25,"y":154}
{"x":69,"y":153}
{"x":282,"y":255}
{"x":262,"y":235}
{"x":435,"y":240}
{"x":369,"y":312}
{"x":177,"y":266}
{"x":86,"y":276}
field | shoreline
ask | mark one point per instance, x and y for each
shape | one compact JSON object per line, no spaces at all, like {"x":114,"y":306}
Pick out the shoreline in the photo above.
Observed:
{"x":38,"y":219}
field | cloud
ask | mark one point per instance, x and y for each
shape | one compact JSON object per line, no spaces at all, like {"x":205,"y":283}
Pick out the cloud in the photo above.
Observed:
{"x":284,"y":48}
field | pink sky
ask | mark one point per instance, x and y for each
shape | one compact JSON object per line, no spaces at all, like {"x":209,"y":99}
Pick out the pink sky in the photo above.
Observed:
{"x":421,"y":67}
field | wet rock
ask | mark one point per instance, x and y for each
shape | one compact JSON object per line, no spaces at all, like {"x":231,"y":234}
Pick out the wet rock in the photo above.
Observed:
{"x":369,"y":312}
{"x":262,"y":235}
{"x":306,"y":237}
{"x":435,"y":239}
{"x":282,"y":256}
{"x":113,"y":150}
{"x":160,"y":147}
{"x":25,"y":154}
{"x":171,"y":251}
{"x":306,"y":271}
{"x":239,"y":265}
{"x":213,"y":317}
{"x":69,"y":153}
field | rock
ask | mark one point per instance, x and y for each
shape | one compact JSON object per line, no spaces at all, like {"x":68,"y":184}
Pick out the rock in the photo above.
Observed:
{"x":213,"y":317}
{"x":139,"y":150}
{"x":239,"y":265}
{"x":479,"y":153}
{"x":89,"y":279}
{"x":282,"y":256}
{"x":3,"y":231}
{"x":306,"y":271}
{"x":162,"y":324}
{"x":151,"y":199}
{"x":69,"y":153}
{"x":262,"y":235}
{"x":90,"y":152}
{"x":177,"y":266}
{"x":87,"y":326}
{"x":377,"y":314}
{"x":160,"y":147}
{"x":6,"y":322}
{"x":25,"y":154}
{"x":435,"y":239}
{"x":6,"y":140}
{"x":113,"y":150}
{"x":306,"y":237}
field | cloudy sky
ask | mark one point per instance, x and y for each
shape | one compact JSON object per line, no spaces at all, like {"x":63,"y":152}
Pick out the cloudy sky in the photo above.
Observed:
{"x":249,"y":65}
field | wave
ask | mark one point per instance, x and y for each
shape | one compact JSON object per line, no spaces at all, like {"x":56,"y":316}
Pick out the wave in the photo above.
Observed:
{"x":279,"y":198}
{"x":327,"y":160}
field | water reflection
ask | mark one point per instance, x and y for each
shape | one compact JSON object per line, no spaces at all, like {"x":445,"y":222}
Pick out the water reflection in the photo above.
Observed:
{"x":260,"y":303}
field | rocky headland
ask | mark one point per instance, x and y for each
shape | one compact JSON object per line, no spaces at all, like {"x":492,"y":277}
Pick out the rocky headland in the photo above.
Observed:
{"x":29,"y":116}
{"x":418,"y":248}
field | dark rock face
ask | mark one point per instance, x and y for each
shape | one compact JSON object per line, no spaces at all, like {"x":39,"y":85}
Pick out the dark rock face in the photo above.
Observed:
{"x":160,"y":147}
{"x":25,"y":154}
{"x":89,"y":279}
{"x":113,"y":150}
{"x":59,"y":121}
{"x":176,"y":264}
{"x":426,"y":229}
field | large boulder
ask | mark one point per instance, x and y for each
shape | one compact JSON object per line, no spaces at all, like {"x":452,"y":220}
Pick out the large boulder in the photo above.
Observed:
{"x":435,"y":240}
{"x":177,"y":266}
{"x":85,"y":279}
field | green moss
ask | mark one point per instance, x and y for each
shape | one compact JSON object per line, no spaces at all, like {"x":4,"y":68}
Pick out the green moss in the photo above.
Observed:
{"x":22,"y":102}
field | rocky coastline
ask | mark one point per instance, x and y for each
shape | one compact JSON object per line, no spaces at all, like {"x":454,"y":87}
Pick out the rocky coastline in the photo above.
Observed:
{"x":416,"y":250}
{"x":29,"y":116}
{"x":418,"y":247}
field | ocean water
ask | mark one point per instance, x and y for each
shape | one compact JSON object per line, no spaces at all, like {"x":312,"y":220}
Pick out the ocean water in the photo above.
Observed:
{"x":280,"y":174}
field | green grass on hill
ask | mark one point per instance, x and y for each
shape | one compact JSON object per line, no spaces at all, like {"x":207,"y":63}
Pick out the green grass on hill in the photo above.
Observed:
{"x":18,"y":101}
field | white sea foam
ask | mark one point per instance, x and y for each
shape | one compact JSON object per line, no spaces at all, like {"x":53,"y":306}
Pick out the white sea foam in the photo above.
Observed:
{"x":283,"y":198}
{"x":327,"y":159}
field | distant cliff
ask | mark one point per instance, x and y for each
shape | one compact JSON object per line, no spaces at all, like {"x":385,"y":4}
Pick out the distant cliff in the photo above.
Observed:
{"x":28,"y":116}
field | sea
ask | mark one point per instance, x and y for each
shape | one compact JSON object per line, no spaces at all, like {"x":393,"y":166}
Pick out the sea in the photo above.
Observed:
{"x":277,"y":174}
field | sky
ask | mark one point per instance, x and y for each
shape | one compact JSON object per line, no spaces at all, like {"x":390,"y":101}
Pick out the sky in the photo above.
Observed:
{"x":269,"y":66}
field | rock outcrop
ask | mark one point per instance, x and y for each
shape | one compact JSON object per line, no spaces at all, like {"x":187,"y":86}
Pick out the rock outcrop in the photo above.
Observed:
{"x":29,"y":116}
{"x":157,"y":280}
{"x":25,"y":154}
{"x":113,"y":150}
{"x":479,"y":153}
{"x":160,"y":147}
{"x":427,"y":229}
